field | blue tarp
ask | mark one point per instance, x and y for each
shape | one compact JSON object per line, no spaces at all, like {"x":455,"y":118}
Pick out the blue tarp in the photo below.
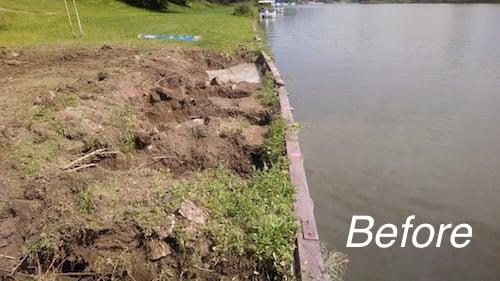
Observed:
{"x":191,"y":38}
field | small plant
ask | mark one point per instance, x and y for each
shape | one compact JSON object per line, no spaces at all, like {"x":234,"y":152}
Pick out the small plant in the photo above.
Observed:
{"x":274,"y":144}
{"x":45,"y":244}
{"x":268,"y":95}
{"x":335,"y":263}
{"x":64,"y":131}
{"x":65,"y":101}
{"x":227,"y":132}
{"x":123,"y":116}
{"x":129,"y":143}
{"x":39,"y":114}
{"x":245,"y":9}
{"x":85,"y":201}
{"x":149,"y":218}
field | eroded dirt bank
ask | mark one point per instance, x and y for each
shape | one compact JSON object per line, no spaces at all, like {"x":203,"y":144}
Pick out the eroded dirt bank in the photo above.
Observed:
{"x":91,"y":141}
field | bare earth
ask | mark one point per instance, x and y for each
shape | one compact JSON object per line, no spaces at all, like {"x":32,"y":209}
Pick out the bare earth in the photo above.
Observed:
{"x":153,"y":118}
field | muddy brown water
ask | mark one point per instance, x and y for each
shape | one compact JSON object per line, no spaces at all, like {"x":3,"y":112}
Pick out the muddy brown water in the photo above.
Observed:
{"x":400,"y":106}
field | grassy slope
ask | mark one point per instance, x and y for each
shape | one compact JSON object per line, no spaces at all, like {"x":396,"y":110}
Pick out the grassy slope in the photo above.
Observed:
{"x":44,"y":22}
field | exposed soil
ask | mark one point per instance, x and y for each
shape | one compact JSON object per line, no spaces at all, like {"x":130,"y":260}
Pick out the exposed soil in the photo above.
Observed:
{"x":154,"y":118}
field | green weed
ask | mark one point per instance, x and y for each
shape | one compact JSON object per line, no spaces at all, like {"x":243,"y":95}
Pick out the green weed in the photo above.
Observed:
{"x":39,"y":114}
{"x":274,"y":144}
{"x":85,"y":201}
{"x":245,"y":9}
{"x":32,"y":156}
{"x":335,"y":263}
{"x":128,"y":143}
{"x":268,"y":95}
{"x":149,"y":218}
{"x":123,"y":116}
{"x":65,"y":101}
{"x":46,"y":243}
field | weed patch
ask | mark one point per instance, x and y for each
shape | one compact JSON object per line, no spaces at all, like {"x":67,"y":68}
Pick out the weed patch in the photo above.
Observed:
{"x":245,"y":9}
{"x":39,"y":114}
{"x":44,"y":244}
{"x":268,"y":95}
{"x":32,"y":156}
{"x":248,"y":217}
{"x":274,"y":144}
{"x":335,"y":263}
{"x":65,"y":101}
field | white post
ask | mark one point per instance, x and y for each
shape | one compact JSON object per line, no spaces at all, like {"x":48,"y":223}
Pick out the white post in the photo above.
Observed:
{"x":78,"y":18}
{"x":69,"y":18}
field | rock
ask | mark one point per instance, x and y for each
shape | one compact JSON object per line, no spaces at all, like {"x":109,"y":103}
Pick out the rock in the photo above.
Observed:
{"x":13,"y":62}
{"x":202,"y":84}
{"x":3,"y":242}
{"x":34,"y":191}
{"x":190,"y":211}
{"x":157,"y":249}
{"x":215,"y":81}
{"x":86,"y":96}
{"x":154,"y":97}
{"x":257,"y":38}
{"x":160,"y":94}
{"x":8,"y":227}
{"x":101,"y":76}
{"x":191,"y":123}
{"x":46,"y":99}
{"x":142,"y":140}
{"x":106,"y":47}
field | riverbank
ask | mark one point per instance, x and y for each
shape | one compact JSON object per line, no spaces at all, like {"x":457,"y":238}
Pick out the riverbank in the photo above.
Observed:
{"x":128,"y":165}
{"x":122,"y":160}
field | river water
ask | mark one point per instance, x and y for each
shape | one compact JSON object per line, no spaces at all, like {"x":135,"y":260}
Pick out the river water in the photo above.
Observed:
{"x":400,"y":107}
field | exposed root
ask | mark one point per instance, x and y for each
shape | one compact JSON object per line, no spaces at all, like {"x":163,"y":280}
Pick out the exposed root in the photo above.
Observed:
{"x":96,"y":154}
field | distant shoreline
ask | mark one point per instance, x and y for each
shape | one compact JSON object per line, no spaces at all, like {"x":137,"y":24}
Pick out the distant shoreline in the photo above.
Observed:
{"x":406,"y":2}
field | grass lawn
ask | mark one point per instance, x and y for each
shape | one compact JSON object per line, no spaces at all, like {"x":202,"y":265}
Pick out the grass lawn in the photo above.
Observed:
{"x":44,"y":22}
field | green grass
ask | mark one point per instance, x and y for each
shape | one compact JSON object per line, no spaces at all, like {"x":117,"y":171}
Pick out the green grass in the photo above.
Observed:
{"x":44,"y":22}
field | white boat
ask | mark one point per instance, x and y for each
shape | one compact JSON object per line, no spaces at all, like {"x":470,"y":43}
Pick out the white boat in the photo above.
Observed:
{"x":279,"y":8}
{"x":266,"y":9}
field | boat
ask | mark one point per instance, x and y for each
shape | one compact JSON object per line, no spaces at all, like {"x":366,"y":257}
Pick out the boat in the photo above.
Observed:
{"x":267,"y":9}
{"x":278,"y":6}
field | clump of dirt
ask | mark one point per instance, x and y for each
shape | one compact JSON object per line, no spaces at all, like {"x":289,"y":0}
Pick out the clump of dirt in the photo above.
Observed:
{"x":91,"y":140}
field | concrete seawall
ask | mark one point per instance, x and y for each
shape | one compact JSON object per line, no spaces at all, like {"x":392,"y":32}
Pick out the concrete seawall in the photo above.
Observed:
{"x":309,"y":262}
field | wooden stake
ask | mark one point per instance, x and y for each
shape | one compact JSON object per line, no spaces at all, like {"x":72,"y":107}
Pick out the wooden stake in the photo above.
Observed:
{"x":78,"y":18}
{"x":69,"y":18}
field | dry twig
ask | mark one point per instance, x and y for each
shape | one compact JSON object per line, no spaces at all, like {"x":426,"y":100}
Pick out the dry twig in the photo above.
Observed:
{"x":76,"y":164}
{"x":7,"y":257}
{"x":18,"y":265}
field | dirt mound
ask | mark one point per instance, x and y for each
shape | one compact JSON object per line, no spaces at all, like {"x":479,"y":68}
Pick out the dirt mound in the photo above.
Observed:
{"x":91,"y":139}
